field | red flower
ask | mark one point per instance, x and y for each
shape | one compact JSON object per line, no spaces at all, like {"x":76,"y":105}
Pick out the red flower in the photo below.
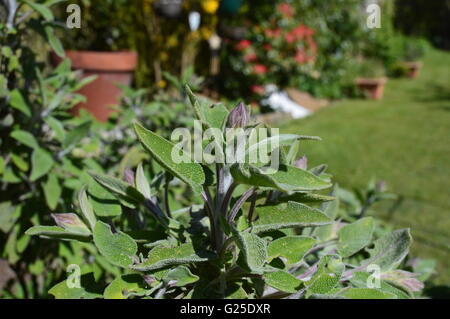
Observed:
{"x":286,"y":9}
{"x":303,"y":31}
{"x":267,"y":47}
{"x":259,"y":69}
{"x":301,"y":57}
{"x":273,"y":33}
{"x":243,"y":44}
{"x":258,"y":89}
{"x":290,"y":38}
{"x":250,"y":57}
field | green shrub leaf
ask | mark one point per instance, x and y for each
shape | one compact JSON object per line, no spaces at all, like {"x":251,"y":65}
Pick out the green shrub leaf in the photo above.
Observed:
{"x":42,"y":9}
{"x":41,"y":163}
{"x":86,"y":208}
{"x":212,"y":115}
{"x":125,"y":286}
{"x":142,"y":184}
{"x":254,"y":250}
{"x":389,"y":250}
{"x":71,"y":223}
{"x":327,"y":276}
{"x":118,"y":248}
{"x":52,"y":191}
{"x":118,"y":187}
{"x":103,"y":202}
{"x":182,"y":276}
{"x":293,"y":248}
{"x":161,"y":149}
{"x":76,"y":135}
{"x":56,"y":232}
{"x":161,"y":257}
{"x":88,"y":289}
{"x":365,"y":293}
{"x":283,"y":281}
{"x":355,"y":236}
{"x":288,"y":215}
{"x":361,"y":280}
{"x":18,"y":102}
{"x":26,"y":138}
{"x":287,"y":178}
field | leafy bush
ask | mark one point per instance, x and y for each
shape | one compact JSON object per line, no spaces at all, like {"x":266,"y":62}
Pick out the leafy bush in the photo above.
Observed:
{"x":38,"y":138}
{"x":276,"y":51}
{"x":370,"y":68}
{"x":339,"y":36}
{"x":245,"y":234}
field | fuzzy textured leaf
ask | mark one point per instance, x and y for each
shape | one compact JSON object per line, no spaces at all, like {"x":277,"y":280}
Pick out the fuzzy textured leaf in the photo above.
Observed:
{"x":161,"y":257}
{"x":287,"y":178}
{"x":87,"y":290}
{"x":293,"y":248}
{"x":389,"y":250}
{"x":254,"y":250}
{"x":125,"y":286}
{"x":288,"y":215}
{"x":355,"y":236}
{"x":212,"y":115}
{"x":55,"y":232}
{"x":118,"y":248}
{"x":161,"y":149}
{"x":283,"y":281}
{"x":86,"y":208}
{"x":118,"y":187}
{"x":365,"y":293}
{"x":182,"y":276}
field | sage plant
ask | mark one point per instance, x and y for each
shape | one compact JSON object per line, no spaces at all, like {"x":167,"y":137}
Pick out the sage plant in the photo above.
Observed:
{"x":247,"y":232}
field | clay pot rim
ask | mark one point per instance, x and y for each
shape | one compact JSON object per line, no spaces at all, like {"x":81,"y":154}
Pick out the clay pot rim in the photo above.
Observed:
{"x":118,"y":61}
{"x":371,"y":81}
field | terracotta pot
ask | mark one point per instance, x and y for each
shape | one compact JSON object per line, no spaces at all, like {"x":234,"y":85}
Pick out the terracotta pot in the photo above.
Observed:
{"x":110,"y":68}
{"x":413,"y":69}
{"x":374,"y":88}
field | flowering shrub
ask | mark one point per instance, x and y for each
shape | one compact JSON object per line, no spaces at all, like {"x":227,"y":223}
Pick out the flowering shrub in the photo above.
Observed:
{"x":275,"y":51}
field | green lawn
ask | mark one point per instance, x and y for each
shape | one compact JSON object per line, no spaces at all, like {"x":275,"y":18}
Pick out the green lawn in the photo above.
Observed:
{"x":404,"y":140}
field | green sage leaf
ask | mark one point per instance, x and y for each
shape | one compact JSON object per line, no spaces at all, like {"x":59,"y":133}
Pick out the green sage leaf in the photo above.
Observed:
{"x":355,"y":236}
{"x":161,"y":257}
{"x":293,"y":248}
{"x":288,"y":215}
{"x":191,"y":173}
{"x":118,"y":248}
{"x":283,"y":281}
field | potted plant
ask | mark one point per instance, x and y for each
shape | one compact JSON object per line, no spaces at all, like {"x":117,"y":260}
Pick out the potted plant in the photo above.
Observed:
{"x":414,"y":50}
{"x":169,"y":8}
{"x":372,"y":79}
{"x":100,"y":48}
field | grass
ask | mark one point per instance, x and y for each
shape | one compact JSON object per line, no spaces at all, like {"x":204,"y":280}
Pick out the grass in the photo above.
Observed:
{"x":403,"y":140}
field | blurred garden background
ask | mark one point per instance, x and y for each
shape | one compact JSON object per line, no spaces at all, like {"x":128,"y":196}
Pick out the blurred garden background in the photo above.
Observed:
{"x":379,"y":97}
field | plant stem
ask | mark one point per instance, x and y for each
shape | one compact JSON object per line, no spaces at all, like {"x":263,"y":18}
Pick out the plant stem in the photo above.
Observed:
{"x":227,"y":199}
{"x":252,"y":208}
{"x":166,"y":195}
{"x":237,"y":206}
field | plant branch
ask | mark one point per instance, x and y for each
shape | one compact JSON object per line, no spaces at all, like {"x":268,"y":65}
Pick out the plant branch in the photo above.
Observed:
{"x":237,"y":206}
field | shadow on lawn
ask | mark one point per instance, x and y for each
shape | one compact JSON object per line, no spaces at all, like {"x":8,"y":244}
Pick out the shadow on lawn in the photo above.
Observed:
{"x":433,"y":92}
